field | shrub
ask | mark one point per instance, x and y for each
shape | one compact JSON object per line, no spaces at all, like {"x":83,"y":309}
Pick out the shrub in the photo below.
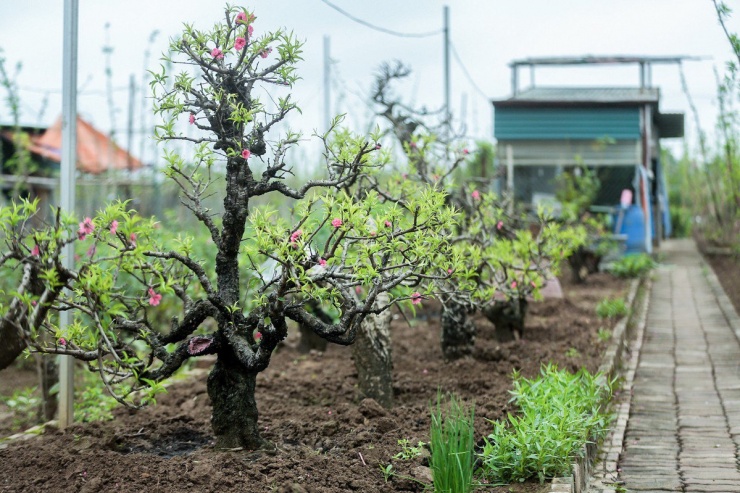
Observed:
{"x":612,"y":308}
{"x":559,"y":413}
{"x":633,"y":266}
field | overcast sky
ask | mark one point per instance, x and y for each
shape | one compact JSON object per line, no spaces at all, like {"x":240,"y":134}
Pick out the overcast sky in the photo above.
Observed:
{"x":486,"y":34}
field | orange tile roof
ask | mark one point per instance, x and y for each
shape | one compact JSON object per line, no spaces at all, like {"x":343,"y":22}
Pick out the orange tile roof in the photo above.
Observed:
{"x":96,"y":153}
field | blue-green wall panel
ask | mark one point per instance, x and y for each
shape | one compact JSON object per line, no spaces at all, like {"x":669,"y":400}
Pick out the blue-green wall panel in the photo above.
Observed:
{"x":566,"y":123}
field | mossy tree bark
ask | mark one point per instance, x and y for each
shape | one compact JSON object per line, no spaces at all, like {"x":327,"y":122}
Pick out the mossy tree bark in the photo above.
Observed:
{"x":234,"y":419}
{"x":373,"y":358}
{"x":458,"y":331}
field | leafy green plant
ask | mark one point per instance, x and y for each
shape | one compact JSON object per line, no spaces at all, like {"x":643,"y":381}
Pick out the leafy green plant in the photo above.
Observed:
{"x":92,"y":402}
{"x":452,"y":441}
{"x":572,"y":353}
{"x":408,"y":451}
{"x":24,"y":404}
{"x":632,"y":266}
{"x":387,"y":471}
{"x":604,"y":335}
{"x":612,"y":308}
{"x":559,"y":413}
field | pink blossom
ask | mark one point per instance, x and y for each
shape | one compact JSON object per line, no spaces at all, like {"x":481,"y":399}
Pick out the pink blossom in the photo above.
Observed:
{"x":294,"y":238}
{"x":34,"y":303}
{"x":250,"y":30}
{"x":466,"y":151}
{"x":387,"y":223}
{"x":191,"y":118}
{"x":86,"y":228}
{"x":266,"y":52}
{"x":246,"y":154}
{"x":154,"y":298}
{"x":513,"y":285}
{"x":35,"y":251}
{"x":449,"y":271}
{"x":377,"y":146}
{"x":113,"y":227}
{"x":416,"y":298}
{"x":91,"y":251}
{"x":132,"y":237}
{"x":336,"y":222}
{"x":258,"y":336}
{"x":62,"y":341}
{"x":499,"y":225}
{"x":217,"y":54}
{"x":358,"y":289}
{"x":475,"y":194}
{"x":241,"y":17}
{"x":322,"y":262}
{"x":239,"y":43}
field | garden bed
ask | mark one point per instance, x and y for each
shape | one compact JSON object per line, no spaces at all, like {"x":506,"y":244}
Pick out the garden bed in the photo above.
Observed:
{"x":328,"y":440}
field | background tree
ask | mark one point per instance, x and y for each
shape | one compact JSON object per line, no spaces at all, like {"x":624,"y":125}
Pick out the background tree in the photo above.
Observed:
{"x":500,"y":258}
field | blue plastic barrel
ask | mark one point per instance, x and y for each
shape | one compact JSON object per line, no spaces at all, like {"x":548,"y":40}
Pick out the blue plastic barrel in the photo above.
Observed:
{"x":632,"y":224}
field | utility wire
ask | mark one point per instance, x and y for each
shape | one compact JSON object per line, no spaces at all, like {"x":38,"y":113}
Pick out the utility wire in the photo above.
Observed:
{"x":381,"y":29}
{"x":465,"y":71}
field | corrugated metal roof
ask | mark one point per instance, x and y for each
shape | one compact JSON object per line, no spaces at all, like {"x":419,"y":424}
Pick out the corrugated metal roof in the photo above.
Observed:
{"x":602,"y":60}
{"x":586,"y":95}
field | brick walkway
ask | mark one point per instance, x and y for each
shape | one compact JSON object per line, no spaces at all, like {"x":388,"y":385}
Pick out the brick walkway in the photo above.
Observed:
{"x":683,"y":432}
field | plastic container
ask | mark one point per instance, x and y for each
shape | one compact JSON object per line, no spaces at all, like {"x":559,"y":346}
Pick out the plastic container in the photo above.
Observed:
{"x":632,"y":224}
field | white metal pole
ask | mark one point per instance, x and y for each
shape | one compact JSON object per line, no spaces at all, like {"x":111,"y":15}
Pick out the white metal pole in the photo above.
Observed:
{"x":448,"y":111}
{"x":67,"y":185}
{"x":327,"y":82}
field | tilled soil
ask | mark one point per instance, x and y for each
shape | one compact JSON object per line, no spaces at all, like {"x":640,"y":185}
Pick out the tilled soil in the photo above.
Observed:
{"x":328,"y":438}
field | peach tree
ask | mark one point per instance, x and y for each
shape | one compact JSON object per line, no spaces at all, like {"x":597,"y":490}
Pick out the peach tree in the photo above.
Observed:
{"x":267,"y":267}
{"x":500,"y":258}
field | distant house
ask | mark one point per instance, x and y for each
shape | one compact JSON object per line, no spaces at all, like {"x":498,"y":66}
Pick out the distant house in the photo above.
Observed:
{"x":542,"y":131}
{"x":96,"y":154}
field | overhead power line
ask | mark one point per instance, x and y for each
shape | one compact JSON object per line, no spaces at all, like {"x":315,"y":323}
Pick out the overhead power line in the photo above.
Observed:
{"x":382,"y":29}
{"x":465,"y":71}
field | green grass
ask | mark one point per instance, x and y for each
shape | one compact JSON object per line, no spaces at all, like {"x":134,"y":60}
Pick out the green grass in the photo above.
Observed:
{"x":612,"y":309}
{"x":633,"y":266}
{"x":452,"y":442}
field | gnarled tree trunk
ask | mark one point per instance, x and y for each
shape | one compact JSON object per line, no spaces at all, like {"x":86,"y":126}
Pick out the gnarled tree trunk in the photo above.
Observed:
{"x":231,"y":389}
{"x":582,"y":263}
{"x":372,"y":354}
{"x":508,"y":318}
{"x":48,"y":375}
{"x":458,"y":331}
{"x":11,"y":344}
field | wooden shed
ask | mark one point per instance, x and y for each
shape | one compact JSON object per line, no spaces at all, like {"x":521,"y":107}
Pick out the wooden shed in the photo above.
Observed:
{"x":542,"y":131}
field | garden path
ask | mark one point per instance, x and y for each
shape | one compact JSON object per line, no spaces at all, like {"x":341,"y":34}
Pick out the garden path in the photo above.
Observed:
{"x":683,"y":432}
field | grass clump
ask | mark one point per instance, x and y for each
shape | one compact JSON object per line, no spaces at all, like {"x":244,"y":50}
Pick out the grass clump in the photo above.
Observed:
{"x":559,"y":413}
{"x":452,"y":441}
{"x":632,"y":266}
{"x":612,"y":308}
